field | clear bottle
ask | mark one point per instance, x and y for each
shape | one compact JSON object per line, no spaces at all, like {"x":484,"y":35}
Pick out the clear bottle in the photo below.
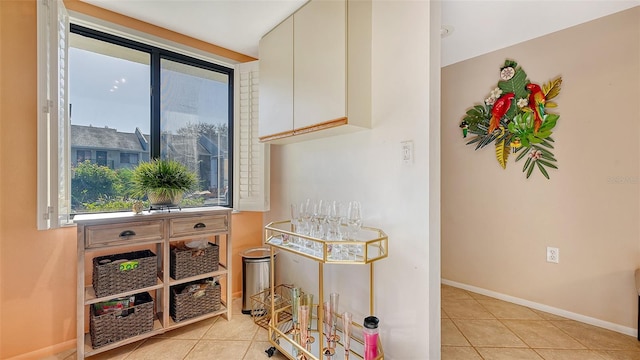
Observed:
{"x":370,"y":333}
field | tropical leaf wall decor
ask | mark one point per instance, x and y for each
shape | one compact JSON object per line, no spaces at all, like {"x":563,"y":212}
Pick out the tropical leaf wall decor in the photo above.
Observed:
{"x":515,"y":118}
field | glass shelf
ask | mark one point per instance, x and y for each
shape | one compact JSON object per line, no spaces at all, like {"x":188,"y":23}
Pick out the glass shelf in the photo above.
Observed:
{"x":369,"y":244}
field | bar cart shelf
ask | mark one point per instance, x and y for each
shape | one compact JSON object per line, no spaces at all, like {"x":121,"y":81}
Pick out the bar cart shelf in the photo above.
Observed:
{"x":368,"y":246}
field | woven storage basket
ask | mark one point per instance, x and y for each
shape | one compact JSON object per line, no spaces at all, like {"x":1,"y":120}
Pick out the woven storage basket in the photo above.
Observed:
{"x":192,"y":304}
{"x":112,"y":327}
{"x":192,"y":262}
{"x":109,"y":279}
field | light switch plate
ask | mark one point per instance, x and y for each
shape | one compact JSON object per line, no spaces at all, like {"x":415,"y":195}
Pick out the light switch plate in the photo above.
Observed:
{"x":407,"y":152}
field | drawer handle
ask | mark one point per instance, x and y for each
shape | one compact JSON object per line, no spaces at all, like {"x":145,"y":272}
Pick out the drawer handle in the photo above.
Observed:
{"x":199,"y":226}
{"x":127,"y":233}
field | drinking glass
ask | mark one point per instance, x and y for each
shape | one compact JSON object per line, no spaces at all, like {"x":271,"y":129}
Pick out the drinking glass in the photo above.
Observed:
{"x":347,"y":317}
{"x":307,"y":299}
{"x":322,"y":217}
{"x":304,"y":331}
{"x":295,"y":304}
{"x":354,"y":219}
{"x":334,"y":298}
{"x":307,"y":212}
{"x":329,"y":350}
{"x":334,"y":218}
{"x":296,"y":222}
{"x":354,"y":224}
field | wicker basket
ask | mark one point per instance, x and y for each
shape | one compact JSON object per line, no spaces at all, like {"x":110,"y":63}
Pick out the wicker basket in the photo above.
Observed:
{"x":191,"y":304}
{"x":112,"y":275}
{"x":192,"y":262}
{"x":116,"y":326}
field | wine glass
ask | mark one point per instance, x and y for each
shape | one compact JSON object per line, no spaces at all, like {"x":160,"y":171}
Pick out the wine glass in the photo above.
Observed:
{"x":354,"y":223}
{"x":347,"y":317}
{"x":329,"y":350}
{"x":307,"y":299}
{"x":296,"y":222}
{"x":322,"y":216}
{"x":336,"y":213}
{"x":334,"y":298}
{"x":307,"y":211}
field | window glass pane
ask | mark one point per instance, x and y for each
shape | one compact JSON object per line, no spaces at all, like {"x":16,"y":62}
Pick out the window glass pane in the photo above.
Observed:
{"x":110,"y":116}
{"x":194,"y":120}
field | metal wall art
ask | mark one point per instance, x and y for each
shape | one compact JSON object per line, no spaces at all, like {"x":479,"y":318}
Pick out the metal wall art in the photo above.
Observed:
{"x":515,"y":118}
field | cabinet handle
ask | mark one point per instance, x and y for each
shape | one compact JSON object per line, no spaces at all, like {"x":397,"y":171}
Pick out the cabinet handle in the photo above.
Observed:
{"x":127,"y":233}
{"x":199,"y":226}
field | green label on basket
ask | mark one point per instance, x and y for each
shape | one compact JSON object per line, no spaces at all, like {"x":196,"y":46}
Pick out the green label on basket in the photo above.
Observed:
{"x":129,"y":265}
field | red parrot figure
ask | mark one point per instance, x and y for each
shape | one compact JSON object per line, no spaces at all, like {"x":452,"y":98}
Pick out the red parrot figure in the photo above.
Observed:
{"x":536,"y":103}
{"x":500,"y":107}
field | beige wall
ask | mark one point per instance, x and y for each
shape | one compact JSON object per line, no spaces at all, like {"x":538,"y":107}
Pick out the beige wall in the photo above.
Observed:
{"x":37,"y":268}
{"x":496,"y":224}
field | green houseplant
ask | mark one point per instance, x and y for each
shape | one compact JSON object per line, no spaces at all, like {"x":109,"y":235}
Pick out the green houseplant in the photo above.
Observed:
{"x":163,"y":181}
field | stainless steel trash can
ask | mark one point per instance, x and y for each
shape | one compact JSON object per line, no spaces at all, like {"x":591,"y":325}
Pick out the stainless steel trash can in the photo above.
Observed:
{"x":256,"y":276}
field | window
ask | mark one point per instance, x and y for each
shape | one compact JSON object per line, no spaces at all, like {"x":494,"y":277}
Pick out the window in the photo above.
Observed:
{"x":127,"y":158}
{"x":82,"y":156}
{"x":151,"y":102}
{"x":187,"y":116}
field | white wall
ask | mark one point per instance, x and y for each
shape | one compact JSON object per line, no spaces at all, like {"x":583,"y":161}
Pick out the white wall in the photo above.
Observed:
{"x":367,"y":166}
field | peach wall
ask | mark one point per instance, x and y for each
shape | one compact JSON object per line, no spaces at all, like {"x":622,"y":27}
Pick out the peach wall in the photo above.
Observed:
{"x":496,"y":224}
{"x":37,"y":268}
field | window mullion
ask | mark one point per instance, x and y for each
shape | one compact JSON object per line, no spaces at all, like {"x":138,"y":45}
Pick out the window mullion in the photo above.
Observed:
{"x":155,"y":105}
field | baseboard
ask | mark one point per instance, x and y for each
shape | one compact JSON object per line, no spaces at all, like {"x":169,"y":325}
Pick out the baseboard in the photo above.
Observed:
{"x":46,"y":352}
{"x":552,"y":310}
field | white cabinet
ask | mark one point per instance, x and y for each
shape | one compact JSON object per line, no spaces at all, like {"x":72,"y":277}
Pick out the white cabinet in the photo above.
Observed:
{"x":330,"y":68}
{"x":319,"y":71}
{"x":118,"y":233}
{"x":276,"y":80}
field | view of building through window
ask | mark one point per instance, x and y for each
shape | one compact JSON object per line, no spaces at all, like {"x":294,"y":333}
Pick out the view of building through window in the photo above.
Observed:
{"x":110,"y":90}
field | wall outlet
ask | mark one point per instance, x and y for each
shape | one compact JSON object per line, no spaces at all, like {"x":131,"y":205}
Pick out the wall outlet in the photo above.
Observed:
{"x":553,"y":255}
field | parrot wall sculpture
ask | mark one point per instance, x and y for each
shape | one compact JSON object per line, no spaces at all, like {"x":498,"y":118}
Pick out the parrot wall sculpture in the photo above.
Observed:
{"x":500,"y":108}
{"x":536,"y":103}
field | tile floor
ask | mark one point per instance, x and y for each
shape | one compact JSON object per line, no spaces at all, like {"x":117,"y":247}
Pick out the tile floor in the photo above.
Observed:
{"x":212,"y":339}
{"x":479,"y":327}
{"x":474,"y":327}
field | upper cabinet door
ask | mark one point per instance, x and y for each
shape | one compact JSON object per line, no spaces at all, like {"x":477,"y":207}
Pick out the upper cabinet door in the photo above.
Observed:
{"x":319,"y":74}
{"x":276,"y":80}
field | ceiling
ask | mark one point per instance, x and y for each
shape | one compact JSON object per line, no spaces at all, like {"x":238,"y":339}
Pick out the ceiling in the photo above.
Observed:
{"x":478,"y":26}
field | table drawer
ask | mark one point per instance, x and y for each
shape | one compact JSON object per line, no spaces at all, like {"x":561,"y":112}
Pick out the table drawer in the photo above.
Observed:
{"x":196,"y":225}
{"x":102,"y":235}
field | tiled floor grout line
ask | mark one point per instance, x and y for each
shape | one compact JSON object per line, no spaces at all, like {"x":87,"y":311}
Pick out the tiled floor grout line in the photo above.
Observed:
{"x":578,"y":339}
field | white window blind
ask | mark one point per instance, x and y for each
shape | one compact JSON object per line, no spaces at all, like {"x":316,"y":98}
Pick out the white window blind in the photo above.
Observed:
{"x":251,"y":172}
{"x":53,"y":115}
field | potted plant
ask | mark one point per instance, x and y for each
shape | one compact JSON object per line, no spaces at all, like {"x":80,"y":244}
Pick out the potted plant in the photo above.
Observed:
{"x":163,"y":181}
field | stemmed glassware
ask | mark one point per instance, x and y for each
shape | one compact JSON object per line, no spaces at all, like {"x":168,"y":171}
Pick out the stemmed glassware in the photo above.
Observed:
{"x":326,"y":220}
{"x":334,"y":298}
{"x":295,"y":305}
{"x":354,"y":223}
{"x":329,"y":350}
{"x":322,"y":216}
{"x":307,"y":300}
{"x":304,"y":331}
{"x":347,"y":317}
{"x":296,"y":221}
{"x":307,"y":212}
